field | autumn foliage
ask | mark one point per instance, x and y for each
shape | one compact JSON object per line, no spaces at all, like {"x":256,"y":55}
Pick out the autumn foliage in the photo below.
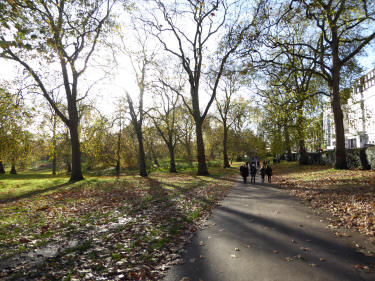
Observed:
{"x":347,"y":196}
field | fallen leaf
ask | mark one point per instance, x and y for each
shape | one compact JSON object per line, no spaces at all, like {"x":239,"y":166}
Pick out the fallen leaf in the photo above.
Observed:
{"x":24,"y":240}
{"x":312,"y":264}
{"x":305,"y":249}
{"x":288,"y":259}
{"x":322,"y":259}
{"x":201,"y":243}
{"x":236,"y":249}
{"x":248,"y":246}
{"x":202,"y":257}
{"x":233,"y":256}
{"x":275,"y":251}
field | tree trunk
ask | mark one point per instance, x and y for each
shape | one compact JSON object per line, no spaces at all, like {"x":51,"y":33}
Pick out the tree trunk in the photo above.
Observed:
{"x":118,"y":153}
{"x":202,"y":167}
{"x":153,"y":155}
{"x":13,"y":170}
{"x":172,"y":167}
{"x":76,"y":173}
{"x":54,"y":164}
{"x":340,"y":162}
{"x":2,"y":170}
{"x":225,"y":151}
{"x":189,"y":154}
{"x":338,"y":116}
{"x":117,"y":168}
{"x":303,"y":159}
{"x":289,"y":157}
{"x":54,"y":143}
{"x":68,"y":167}
{"x":141,"y":156}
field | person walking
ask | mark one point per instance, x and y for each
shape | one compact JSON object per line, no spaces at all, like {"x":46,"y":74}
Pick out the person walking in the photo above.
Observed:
{"x":262,"y":172}
{"x":253,"y":172}
{"x":244,"y":171}
{"x":269,"y":173}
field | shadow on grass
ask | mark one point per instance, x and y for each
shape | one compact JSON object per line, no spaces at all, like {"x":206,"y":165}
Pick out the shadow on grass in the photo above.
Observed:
{"x":32,"y":193}
{"x":30,"y":176}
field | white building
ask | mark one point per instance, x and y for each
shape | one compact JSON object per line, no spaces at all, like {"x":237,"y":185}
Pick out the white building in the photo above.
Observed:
{"x":359,"y":116}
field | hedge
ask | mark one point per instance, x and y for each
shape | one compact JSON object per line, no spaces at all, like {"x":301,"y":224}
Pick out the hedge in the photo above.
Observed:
{"x":362,"y":158}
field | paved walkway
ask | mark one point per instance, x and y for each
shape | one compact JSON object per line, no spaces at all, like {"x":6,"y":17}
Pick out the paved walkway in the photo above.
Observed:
{"x":261,"y":233}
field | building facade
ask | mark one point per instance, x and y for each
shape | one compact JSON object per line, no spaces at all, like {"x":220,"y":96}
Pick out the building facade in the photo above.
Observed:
{"x":359,"y":116}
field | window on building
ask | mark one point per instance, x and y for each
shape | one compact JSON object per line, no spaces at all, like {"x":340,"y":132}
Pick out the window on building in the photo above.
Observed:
{"x":352,"y":143}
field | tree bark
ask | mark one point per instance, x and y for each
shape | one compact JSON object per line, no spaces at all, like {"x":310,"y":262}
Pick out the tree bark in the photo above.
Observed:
{"x":68,"y":167}
{"x":303,"y":159}
{"x":2,"y":170}
{"x":338,"y":115}
{"x":118,"y":153}
{"x":141,"y":154}
{"x":189,"y":154}
{"x":202,"y":167}
{"x":13,"y":170}
{"x":225,"y":151}
{"x":289,"y":157}
{"x":76,"y":173}
{"x":54,"y":163}
{"x":153,"y":155}
{"x":172,"y":167}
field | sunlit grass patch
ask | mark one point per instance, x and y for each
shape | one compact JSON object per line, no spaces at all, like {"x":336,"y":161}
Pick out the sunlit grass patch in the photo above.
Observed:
{"x":49,"y":207}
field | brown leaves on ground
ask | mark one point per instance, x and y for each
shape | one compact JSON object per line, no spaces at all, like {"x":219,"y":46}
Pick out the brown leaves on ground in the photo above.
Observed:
{"x":132,"y":228}
{"x":347,"y":195}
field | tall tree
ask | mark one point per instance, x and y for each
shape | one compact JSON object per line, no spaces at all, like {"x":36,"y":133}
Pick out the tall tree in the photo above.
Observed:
{"x":141,"y":61}
{"x":227,"y":109}
{"x":164,"y":116}
{"x":186,"y":29}
{"x":62,"y":33}
{"x":339,"y":31}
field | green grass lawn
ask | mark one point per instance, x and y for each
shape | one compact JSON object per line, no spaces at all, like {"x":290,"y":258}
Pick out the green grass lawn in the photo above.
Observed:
{"x":37,"y":208}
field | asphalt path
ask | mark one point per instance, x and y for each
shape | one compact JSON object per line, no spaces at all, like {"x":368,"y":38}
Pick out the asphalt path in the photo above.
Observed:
{"x":261,"y":233}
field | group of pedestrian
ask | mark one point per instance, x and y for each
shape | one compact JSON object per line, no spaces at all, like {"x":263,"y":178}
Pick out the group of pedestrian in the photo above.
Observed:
{"x":251,"y":169}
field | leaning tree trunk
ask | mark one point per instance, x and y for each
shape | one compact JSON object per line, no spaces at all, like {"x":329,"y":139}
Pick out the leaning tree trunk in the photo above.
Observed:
{"x":2,"y":170}
{"x":76,"y":173}
{"x":225,"y":151}
{"x":202,"y":167}
{"x":172,"y":167}
{"x":13,"y":169}
{"x":141,"y":156}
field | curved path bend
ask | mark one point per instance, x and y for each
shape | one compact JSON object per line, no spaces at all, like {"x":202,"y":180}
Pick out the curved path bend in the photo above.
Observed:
{"x":260,"y":233}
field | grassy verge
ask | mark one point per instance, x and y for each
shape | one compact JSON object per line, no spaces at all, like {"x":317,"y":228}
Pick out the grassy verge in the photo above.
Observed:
{"x":130,"y":226}
{"x":346,"y":195}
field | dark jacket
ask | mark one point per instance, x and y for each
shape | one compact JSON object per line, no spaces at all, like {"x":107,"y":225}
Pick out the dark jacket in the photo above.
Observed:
{"x":269,"y":171}
{"x":253,"y":170}
{"x":244,"y":171}
{"x":262,"y":171}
